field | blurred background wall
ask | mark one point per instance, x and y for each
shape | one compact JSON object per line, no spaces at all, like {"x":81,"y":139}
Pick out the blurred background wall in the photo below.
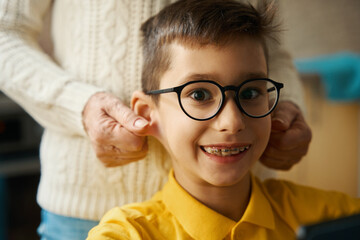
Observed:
{"x":322,"y":28}
{"x":316,"y":27}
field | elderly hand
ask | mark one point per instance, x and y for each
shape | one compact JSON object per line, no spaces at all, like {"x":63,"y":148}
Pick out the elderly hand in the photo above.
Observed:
{"x":289,"y":139}
{"x":112,"y":128}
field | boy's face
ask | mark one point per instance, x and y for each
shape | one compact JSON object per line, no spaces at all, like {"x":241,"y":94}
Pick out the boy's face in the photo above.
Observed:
{"x":186,"y":139}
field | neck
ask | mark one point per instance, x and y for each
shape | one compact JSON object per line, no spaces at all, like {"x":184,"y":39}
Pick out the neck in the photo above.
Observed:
{"x":230,"y":201}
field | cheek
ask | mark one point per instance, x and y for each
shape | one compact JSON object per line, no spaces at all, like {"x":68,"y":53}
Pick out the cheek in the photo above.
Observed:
{"x":184,"y":135}
{"x":265,"y":131}
{"x":262,"y":129}
{"x":179,"y":133}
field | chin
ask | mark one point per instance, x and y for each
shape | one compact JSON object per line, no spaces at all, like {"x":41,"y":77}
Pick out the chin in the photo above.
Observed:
{"x":226,"y":180}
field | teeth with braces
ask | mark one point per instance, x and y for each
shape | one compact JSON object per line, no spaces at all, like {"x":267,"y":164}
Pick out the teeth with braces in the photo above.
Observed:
{"x":225,"y":151}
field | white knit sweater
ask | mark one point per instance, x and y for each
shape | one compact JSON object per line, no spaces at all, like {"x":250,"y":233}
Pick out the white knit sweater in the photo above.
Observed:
{"x":96,"y":48}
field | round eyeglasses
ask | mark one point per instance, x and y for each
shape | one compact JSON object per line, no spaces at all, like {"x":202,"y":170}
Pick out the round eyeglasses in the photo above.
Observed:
{"x":203,"y":99}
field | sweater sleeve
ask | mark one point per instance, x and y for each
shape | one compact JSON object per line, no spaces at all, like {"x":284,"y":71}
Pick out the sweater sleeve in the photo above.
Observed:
{"x":30,"y":77}
{"x":282,"y":69}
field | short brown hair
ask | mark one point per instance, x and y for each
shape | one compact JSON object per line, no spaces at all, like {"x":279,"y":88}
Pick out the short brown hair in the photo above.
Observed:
{"x":199,"y":23}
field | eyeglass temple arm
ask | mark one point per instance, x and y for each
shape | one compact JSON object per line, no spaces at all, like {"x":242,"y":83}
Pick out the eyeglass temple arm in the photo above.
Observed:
{"x":271,"y":89}
{"x":154,"y":92}
{"x":278,"y":86}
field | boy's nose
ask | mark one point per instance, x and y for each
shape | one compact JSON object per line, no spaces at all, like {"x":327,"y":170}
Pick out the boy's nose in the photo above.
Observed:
{"x":230,"y":118}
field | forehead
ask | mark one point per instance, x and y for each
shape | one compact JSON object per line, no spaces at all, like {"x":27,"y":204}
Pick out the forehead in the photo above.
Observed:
{"x":230,"y":63}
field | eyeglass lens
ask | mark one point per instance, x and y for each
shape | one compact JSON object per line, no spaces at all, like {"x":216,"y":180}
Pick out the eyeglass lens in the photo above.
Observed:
{"x":202,"y":100}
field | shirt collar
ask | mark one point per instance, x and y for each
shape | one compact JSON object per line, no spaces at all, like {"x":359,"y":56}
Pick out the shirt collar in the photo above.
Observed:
{"x":259,"y":210}
{"x":197,"y":218}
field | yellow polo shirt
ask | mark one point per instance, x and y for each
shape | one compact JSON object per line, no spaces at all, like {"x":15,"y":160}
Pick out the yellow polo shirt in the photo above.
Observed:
{"x":276,"y":209}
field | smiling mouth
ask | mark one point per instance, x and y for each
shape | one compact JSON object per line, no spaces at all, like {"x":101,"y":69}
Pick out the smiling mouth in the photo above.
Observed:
{"x":224,"y":152}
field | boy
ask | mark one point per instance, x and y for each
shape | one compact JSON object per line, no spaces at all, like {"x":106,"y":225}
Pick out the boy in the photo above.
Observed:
{"x":208,"y":100}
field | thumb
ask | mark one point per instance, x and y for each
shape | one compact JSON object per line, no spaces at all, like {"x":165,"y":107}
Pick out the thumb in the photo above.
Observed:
{"x":129,"y":119}
{"x":278,"y":124}
{"x":283,"y":116}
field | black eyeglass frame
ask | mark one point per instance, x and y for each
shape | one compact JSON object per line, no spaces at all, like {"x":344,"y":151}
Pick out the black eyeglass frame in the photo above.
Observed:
{"x":236,"y":89}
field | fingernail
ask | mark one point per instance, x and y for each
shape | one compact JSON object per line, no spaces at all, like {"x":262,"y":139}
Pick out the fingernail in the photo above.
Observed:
{"x":279,"y":120}
{"x":140,"y":123}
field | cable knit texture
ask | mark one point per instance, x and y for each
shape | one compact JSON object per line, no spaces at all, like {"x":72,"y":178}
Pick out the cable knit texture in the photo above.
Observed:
{"x":96,"y":48}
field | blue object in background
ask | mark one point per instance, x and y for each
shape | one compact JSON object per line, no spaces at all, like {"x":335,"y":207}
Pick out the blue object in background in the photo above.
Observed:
{"x":340,"y":74}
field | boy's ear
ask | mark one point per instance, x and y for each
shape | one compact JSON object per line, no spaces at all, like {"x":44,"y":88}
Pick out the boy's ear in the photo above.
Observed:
{"x":144,"y":106}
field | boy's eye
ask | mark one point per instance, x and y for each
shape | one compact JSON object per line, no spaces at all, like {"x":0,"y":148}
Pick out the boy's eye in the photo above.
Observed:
{"x":249,"y":93}
{"x":200,"y":95}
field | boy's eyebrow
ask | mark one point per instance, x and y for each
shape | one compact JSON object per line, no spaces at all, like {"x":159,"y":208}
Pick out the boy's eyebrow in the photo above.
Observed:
{"x":199,"y":76}
{"x":213,"y":76}
{"x":252,"y":75}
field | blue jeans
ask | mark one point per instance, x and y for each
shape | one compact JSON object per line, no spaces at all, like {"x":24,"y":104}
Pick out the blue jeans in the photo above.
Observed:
{"x":57,"y":227}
